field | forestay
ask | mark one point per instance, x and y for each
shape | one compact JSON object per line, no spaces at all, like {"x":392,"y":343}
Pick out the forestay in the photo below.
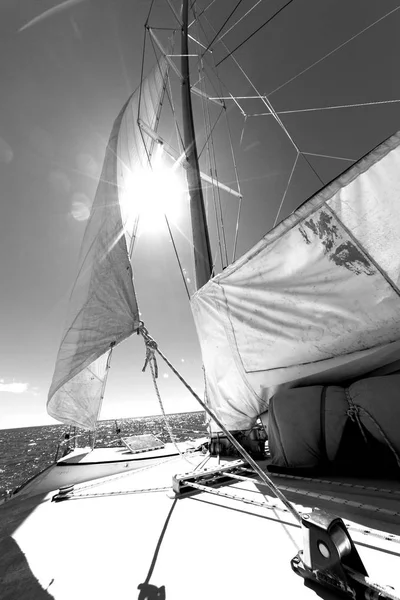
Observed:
{"x":103,"y":309}
{"x":315,"y":301}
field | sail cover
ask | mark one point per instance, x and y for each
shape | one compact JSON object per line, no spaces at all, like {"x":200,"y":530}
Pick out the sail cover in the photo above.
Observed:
{"x":315,"y":301}
{"x":103,"y":309}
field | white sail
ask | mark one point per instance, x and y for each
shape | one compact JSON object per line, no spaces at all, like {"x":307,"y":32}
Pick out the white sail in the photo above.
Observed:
{"x":103,"y":309}
{"x":316,"y":300}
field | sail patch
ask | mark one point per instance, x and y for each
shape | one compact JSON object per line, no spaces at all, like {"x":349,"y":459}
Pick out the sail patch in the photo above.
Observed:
{"x":344,"y":253}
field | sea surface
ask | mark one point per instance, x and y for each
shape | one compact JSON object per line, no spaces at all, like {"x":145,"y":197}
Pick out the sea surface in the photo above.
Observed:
{"x":27,"y":450}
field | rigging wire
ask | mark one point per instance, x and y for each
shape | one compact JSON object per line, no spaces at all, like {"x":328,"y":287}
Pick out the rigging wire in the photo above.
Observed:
{"x":333,"y":51}
{"x":211,"y":131}
{"x":268,"y":104}
{"x":221,"y":84}
{"x":240,"y":20}
{"x":263,"y":476}
{"x":318,"y":108}
{"x":151,"y":360}
{"x":168,"y":93}
{"x":200,"y":82}
{"x":254,"y":33}
{"x":238,"y":186}
{"x":234,"y":164}
{"x":200,"y":13}
{"x":214,"y":171}
{"x":177,"y":256}
{"x":233,"y":160}
{"x":223,"y":25}
{"x":141,"y":83}
{"x":209,"y":167}
{"x":286,"y":189}
{"x":265,"y":99}
{"x":352,"y":160}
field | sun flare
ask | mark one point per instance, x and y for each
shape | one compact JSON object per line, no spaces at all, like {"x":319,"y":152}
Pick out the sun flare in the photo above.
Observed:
{"x":152,"y":193}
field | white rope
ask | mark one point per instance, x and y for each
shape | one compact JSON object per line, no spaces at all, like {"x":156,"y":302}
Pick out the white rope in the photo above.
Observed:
{"x":238,"y":188}
{"x":237,"y":22}
{"x":152,"y":362}
{"x":286,"y":189}
{"x":246,"y":456}
{"x":329,"y":156}
{"x":195,"y":20}
{"x":333,"y":51}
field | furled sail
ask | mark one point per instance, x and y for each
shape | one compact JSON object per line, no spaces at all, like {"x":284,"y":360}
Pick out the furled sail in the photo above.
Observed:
{"x":315,"y":301}
{"x":103,"y":309}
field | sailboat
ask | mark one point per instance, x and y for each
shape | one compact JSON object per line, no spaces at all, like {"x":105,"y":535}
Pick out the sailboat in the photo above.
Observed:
{"x":300,"y":344}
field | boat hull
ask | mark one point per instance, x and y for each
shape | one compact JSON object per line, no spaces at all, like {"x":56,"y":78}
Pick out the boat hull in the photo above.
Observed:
{"x":85,"y":464}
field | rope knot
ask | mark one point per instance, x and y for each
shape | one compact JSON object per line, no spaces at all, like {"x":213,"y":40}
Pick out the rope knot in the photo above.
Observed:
{"x":151,"y":347}
{"x":354,"y":413}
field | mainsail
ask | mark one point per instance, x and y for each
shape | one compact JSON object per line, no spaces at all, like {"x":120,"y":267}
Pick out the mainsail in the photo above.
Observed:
{"x":315,"y":301}
{"x":103,"y":310}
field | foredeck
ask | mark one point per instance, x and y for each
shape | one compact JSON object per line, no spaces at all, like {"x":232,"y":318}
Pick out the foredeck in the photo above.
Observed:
{"x":126,"y":531}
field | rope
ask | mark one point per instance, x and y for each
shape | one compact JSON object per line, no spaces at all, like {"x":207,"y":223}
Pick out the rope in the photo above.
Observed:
{"x":151,"y":361}
{"x":130,"y":473}
{"x":382,"y":434}
{"x":263,"y":476}
{"x":267,"y":505}
{"x":118,"y":493}
{"x":354,"y":411}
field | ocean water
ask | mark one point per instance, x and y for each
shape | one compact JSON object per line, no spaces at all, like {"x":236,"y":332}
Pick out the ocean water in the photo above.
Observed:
{"x":26,"y":451}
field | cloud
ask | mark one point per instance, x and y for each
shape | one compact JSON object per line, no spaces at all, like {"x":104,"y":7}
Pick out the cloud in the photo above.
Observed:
{"x":50,"y":12}
{"x":14,"y":388}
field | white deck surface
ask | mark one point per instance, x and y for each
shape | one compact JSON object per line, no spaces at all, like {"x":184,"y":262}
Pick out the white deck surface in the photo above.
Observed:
{"x":120,"y":534}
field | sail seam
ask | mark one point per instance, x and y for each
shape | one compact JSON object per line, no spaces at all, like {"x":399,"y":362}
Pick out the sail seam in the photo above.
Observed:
{"x":230,"y":336}
{"x":316,"y":362}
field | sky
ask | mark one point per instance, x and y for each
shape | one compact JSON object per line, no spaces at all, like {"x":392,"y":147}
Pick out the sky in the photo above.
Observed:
{"x":66,"y":68}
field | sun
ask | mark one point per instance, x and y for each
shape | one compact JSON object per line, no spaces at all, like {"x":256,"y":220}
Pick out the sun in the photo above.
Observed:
{"x":153,"y":193}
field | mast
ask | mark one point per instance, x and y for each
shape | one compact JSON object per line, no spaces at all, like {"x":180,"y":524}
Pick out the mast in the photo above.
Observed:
{"x":201,"y":240}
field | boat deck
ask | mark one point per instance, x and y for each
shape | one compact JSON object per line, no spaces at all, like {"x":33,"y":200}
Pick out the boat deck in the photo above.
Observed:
{"x":122,"y":532}
{"x":118,"y":454}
